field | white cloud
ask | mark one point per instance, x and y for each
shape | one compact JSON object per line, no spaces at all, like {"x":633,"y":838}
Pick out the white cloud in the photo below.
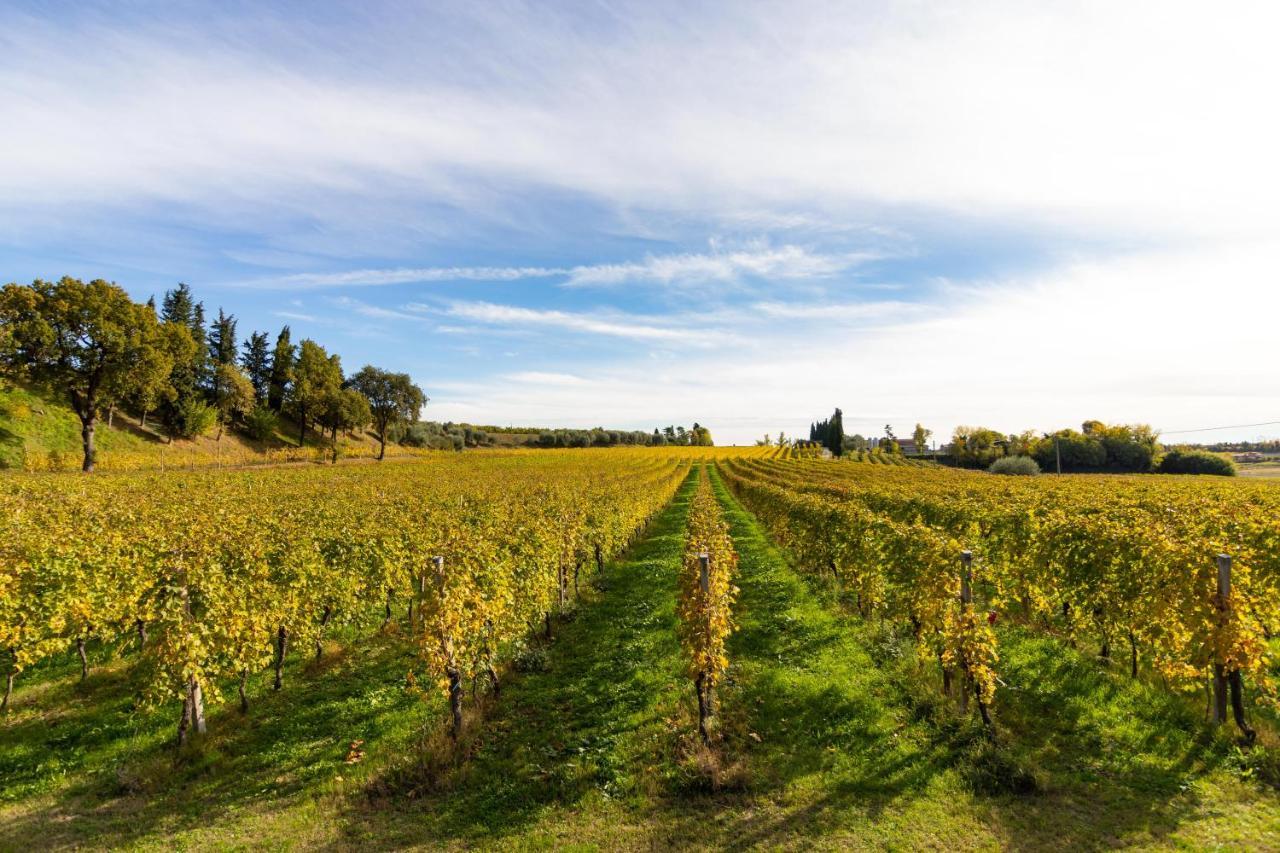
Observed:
{"x":402,"y":275}
{"x":1146,"y":116}
{"x":1169,"y":338}
{"x":609,"y":325}
{"x":785,"y":262}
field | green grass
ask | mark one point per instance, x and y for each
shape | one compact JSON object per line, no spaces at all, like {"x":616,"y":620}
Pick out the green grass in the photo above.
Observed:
{"x":30,"y":421}
{"x":832,"y":735}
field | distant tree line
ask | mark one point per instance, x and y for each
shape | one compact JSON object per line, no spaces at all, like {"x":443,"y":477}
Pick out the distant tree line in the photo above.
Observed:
{"x":695,"y":436}
{"x":1096,"y":447}
{"x":93,"y":345}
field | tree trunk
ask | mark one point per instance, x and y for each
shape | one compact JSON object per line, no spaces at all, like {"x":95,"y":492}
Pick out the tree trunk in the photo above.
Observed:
{"x":547,"y":619}
{"x":324,"y":620}
{"x":244,"y":699}
{"x":577,"y":564}
{"x":1219,"y":693}
{"x":184,"y":722}
{"x":142,"y":634}
{"x":84,"y":659}
{"x":143,"y":420}
{"x":984,"y":712}
{"x":1237,"y":705}
{"x":111,"y":417}
{"x":8,"y":689}
{"x":1133,"y":655}
{"x":493,"y":675}
{"x":386,"y":619}
{"x":703,"y":711}
{"x":88,"y":425}
{"x":282,"y":646}
{"x":599,"y":559}
{"x":197,"y":707}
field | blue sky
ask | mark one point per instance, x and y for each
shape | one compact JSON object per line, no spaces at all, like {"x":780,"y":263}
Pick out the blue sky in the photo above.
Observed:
{"x":635,"y":214}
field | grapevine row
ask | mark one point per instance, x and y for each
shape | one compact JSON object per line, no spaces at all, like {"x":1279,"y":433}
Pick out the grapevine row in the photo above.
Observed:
{"x":219,"y":575}
{"x":1128,"y":559}
{"x":707,"y":594}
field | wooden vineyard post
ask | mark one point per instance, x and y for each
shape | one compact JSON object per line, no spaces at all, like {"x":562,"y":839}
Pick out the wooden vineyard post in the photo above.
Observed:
{"x":704,"y":690}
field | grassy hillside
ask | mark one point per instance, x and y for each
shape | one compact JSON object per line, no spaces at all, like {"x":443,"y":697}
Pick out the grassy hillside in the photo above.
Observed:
{"x":40,"y":432}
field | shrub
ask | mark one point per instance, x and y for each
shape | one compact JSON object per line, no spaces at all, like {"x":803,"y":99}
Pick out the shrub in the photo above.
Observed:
{"x":192,"y":417}
{"x":262,"y":423}
{"x":1021,"y":466}
{"x":1196,"y":462}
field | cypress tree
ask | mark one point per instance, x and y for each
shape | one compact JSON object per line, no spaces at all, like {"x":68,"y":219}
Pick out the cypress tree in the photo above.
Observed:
{"x":835,"y":433}
{"x":256,"y":361}
{"x":282,"y":361}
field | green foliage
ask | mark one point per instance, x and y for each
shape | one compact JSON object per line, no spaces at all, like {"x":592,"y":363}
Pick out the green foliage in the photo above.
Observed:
{"x":976,"y":447}
{"x":191,"y":417}
{"x":233,"y":395}
{"x":921,"y":437}
{"x":392,"y":398}
{"x":256,"y":361}
{"x":262,"y":423}
{"x":433,"y":435}
{"x":317,"y":376}
{"x":282,"y":361}
{"x":829,"y":433}
{"x":1196,"y":462}
{"x":89,"y":342}
{"x":1023,"y":466}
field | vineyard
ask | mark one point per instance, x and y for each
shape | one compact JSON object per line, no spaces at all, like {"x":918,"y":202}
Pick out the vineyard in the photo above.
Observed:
{"x":1185,"y":575}
{"x":634,"y":648}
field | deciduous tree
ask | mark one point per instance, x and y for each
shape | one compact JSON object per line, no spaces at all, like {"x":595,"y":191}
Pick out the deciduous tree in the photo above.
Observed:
{"x":393,"y":399}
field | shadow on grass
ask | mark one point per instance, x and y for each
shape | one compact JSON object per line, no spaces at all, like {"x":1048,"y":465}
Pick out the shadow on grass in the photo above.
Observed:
{"x":1114,"y":759}
{"x":127,"y":786}
{"x":593,"y":723}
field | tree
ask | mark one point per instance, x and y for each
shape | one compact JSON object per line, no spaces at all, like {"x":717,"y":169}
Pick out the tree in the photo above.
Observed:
{"x":316,"y":376}
{"x":155,"y":388}
{"x":835,"y":434}
{"x":256,"y":361}
{"x":233,"y":394}
{"x":393,"y":399}
{"x":344,"y":409}
{"x":977,"y":447}
{"x":87,"y":341}
{"x":282,"y":361}
{"x":180,"y":410}
{"x":700,"y":436}
{"x":921,"y":437}
{"x":222,"y":341}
